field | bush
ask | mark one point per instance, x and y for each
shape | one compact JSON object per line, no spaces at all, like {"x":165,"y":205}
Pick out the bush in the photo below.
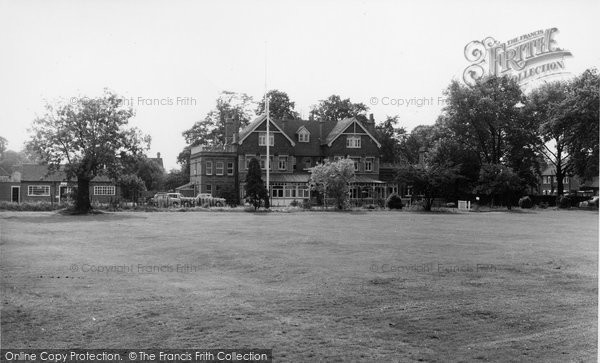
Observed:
{"x":306,"y":204}
{"x":525,"y":203}
{"x":31,"y":206}
{"x":394,"y":201}
{"x":294,"y":203}
{"x":564,"y":202}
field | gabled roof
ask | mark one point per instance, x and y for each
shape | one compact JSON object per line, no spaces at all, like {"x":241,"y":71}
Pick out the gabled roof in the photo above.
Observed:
{"x":342,"y":125}
{"x":37,"y":172}
{"x":290,"y":128}
{"x":302,"y":128}
{"x":551,"y":170}
{"x":257,"y":122}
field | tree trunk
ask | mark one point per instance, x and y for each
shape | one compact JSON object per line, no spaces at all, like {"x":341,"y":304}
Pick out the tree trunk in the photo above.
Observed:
{"x":82,"y":203}
{"x":559,"y":170}
{"x":559,"y":180}
{"x":428,"y":204}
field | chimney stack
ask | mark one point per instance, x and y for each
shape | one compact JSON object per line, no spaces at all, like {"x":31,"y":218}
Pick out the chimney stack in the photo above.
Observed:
{"x":236,"y":131}
{"x":321,"y":130}
{"x":371,"y":119}
{"x":228,"y":131}
{"x":158,"y":155}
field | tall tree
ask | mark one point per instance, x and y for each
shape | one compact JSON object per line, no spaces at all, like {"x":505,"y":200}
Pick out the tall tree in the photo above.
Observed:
{"x":334,"y":109}
{"x":390,"y":136}
{"x":280,"y":106}
{"x":174,"y":179}
{"x":429,"y":180}
{"x":211,"y":130}
{"x":482,"y":117}
{"x":131,"y":187}
{"x":147,"y":170}
{"x":12,"y":158}
{"x":545,"y":108}
{"x":580,"y":112}
{"x":422,"y":137}
{"x":91,"y":136}
{"x":256,"y":192}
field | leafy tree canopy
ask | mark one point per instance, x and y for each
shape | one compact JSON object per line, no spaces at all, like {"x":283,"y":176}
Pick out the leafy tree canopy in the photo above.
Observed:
{"x":280,"y":106}
{"x":429,"y":181}
{"x":332,"y":179}
{"x":90,"y":136}
{"x":390,"y":136}
{"x":211,"y":130}
{"x":499,"y":181}
{"x":483,"y":117}
{"x":334,"y":109}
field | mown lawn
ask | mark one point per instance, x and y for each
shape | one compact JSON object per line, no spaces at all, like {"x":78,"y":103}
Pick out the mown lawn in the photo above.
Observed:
{"x":376,"y":286}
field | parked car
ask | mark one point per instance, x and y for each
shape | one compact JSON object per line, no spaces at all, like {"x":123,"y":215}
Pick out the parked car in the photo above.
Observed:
{"x":163,"y":199}
{"x":592,"y":203}
{"x":203,"y":199}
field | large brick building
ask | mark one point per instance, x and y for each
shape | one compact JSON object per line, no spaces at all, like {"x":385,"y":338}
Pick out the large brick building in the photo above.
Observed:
{"x":295,"y":146}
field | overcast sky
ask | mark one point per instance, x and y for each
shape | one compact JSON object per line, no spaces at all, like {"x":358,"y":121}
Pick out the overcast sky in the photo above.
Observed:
{"x":182,"y":49}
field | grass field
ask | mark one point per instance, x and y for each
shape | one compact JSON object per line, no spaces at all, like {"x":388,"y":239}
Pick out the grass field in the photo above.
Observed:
{"x":377,"y":286}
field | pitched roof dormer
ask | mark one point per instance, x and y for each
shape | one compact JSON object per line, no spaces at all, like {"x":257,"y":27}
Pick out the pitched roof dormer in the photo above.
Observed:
{"x":303,"y":134}
{"x":256,"y":123}
{"x":343,"y":125}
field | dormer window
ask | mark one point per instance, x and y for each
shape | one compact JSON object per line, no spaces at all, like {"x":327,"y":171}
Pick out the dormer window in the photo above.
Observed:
{"x":262,"y":139}
{"x":353,"y":142}
{"x":303,"y":135}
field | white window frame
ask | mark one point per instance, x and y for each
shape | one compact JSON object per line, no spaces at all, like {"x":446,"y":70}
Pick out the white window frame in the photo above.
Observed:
{"x":262,"y":137}
{"x":303,"y":136}
{"x":229,"y":168}
{"x":277,"y":191}
{"x":263,"y":162}
{"x":282,"y":162}
{"x":370,"y":163}
{"x":104,"y":190}
{"x":353,"y":142}
{"x":45,"y":192}
{"x":221,"y":168}
{"x":303,"y":191}
{"x":209,"y":168}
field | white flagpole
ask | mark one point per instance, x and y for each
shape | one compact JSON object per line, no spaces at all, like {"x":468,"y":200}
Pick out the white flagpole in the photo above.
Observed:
{"x":268,"y":161}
